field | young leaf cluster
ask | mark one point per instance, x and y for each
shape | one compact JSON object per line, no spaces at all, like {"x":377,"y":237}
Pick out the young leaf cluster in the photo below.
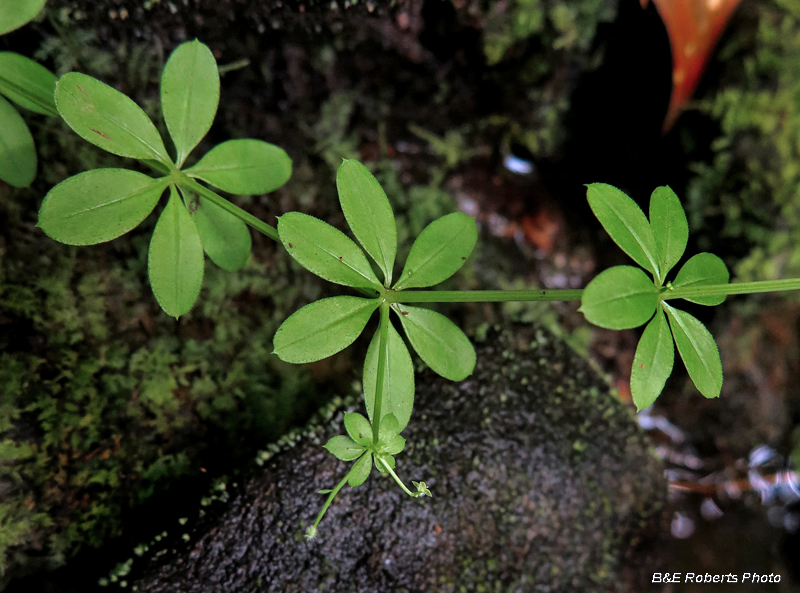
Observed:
{"x":327,"y":326}
{"x":28,"y":85}
{"x":103,"y":204}
{"x":624,"y":297}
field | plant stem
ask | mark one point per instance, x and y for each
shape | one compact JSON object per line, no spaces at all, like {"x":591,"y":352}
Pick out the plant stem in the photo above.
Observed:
{"x":480,"y":296}
{"x":211,"y":196}
{"x":331,"y":496}
{"x":383,"y":354}
{"x":394,"y":475}
{"x":735,"y":288}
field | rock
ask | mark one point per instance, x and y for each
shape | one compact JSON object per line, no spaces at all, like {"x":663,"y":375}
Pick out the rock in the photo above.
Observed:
{"x":541,"y":481}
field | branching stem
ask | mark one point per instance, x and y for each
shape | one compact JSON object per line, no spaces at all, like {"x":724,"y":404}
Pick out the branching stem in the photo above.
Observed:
{"x":735,"y":288}
{"x":212,"y":196}
{"x":480,"y":296}
{"x":396,"y":478}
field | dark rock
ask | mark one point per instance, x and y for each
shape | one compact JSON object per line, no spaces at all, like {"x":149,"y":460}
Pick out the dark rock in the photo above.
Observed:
{"x":541,"y":481}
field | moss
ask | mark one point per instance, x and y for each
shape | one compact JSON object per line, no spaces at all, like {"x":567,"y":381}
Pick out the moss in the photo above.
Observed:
{"x":749,"y":189}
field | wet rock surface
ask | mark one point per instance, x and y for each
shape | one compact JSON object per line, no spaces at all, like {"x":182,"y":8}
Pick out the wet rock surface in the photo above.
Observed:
{"x":541,"y":481}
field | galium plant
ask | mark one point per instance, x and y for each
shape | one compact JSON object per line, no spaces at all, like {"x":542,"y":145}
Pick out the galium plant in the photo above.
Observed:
{"x":103,"y":204}
{"x":100,"y":205}
{"x":30,"y":86}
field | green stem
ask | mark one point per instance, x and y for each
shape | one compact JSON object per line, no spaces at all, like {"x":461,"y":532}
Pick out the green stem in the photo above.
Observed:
{"x":331,"y":496}
{"x":50,"y":108}
{"x":157,"y":166}
{"x":238,"y":64}
{"x":481,"y":296}
{"x":396,"y":478}
{"x":383,"y":352}
{"x":211,"y":196}
{"x":735,"y":288}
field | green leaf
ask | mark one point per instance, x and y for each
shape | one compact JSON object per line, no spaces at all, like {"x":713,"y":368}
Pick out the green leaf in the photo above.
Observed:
{"x":175,"y":260}
{"x":698,"y":351}
{"x":358,"y":428}
{"x":244,"y":167}
{"x":439,"y":251}
{"x":189,"y":95}
{"x":625,"y":223}
{"x":226,"y":238}
{"x":621,"y":297}
{"x":17,"y":152}
{"x":368,"y":214}
{"x":389,"y":427}
{"x":422,"y":489}
{"x":15,"y":13}
{"x":394,"y":445}
{"x":652,"y":363}
{"x":99,"y":205}
{"x":325,"y":491}
{"x":669,"y":226}
{"x":398,"y":390}
{"x":360,"y":471}
{"x":325,"y":251}
{"x":702,"y":270}
{"x":27,"y":83}
{"x":438,"y":341}
{"x":322,"y":328}
{"x":344,"y":448}
{"x":105,"y":117}
{"x":386,"y":458}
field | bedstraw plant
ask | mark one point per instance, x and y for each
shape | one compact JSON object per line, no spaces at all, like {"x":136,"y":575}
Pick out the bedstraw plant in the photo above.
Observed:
{"x":30,"y":86}
{"x":100,"y":205}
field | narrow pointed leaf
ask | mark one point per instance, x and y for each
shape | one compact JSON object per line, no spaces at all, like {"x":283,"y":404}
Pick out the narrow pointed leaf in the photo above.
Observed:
{"x":15,"y":13}
{"x":244,"y":167}
{"x":625,"y":223}
{"x":395,"y":445}
{"x":344,"y":448}
{"x":360,"y":471}
{"x":107,"y":118}
{"x":368,"y":214}
{"x":438,"y":341}
{"x":99,"y":205}
{"x":702,"y":270}
{"x":17,"y":152}
{"x":669,"y":226}
{"x":325,"y":251}
{"x":358,"y":428}
{"x":652,"y":363}
{"x":226,"y":238}
{"x":698,"y":351}
{"x":621,"y":297}
{"x":175,"y":260}
{"x":322,"y":328}
{"x":27,"y":83}
{"x":189,"y":95}
{"x":439,"y":251}
{"x":398,"y":390}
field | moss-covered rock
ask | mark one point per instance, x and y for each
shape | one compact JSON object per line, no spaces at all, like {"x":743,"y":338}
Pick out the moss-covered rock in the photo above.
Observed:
{"x":541,"y":480}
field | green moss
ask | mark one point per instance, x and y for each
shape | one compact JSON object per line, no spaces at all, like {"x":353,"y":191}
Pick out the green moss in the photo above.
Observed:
{"x":750,"y":187}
